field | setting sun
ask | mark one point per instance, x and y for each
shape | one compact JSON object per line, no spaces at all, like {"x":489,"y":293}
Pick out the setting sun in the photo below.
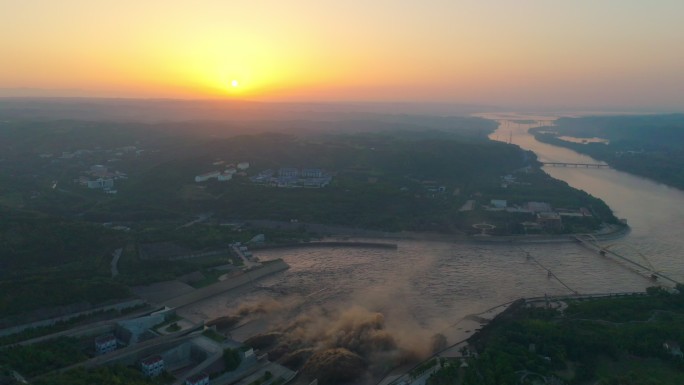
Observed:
{"x":453,"y":52}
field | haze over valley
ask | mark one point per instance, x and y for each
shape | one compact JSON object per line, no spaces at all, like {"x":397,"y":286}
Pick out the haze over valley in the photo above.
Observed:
{"x":443,"y":193}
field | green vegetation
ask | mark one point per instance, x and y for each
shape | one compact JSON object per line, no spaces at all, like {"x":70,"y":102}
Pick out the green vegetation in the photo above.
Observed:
{"x":23,"y":295}
{"x":399,"y":173}
{"x":263,"y":379}
{"x":606,"y":341}
{"x":64,"y":325}
{"x":32,"y":242}
{"x":382,"y":181}
{"x":422,"y":368}
{"x":49,"y":261}
{"x":44,"y":357}
{"x":173,"y":327}
{"x":231,"y":359}
{"x":651,"y":146}
{"x":169,"y":323}
{"x":534,"y":185}
{"x":213,"y":335}
{"x":116,"y":374}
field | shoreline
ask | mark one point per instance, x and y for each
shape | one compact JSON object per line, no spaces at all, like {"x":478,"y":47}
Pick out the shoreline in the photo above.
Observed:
{"x":616,"y":232}
{"x":344,"y":232}
{"x":501,"y":313}
{"x":345,"y":238}
{"x":218,"y":288}
{"x":360,"y":244}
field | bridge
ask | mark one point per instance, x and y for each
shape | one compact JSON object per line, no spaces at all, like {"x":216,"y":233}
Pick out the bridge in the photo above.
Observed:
{"x":592,"y":243}
{"x":565,"y":164}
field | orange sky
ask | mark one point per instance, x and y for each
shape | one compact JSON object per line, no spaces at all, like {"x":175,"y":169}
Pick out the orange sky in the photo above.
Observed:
{"x":519,"y":52}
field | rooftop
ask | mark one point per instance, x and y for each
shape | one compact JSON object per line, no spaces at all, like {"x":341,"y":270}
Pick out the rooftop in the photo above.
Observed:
{"x":197,"y":377}
{"x":151,"y":360}
{"x":105,"y":338}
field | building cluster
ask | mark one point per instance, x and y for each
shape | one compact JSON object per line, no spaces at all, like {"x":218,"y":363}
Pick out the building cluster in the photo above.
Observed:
{"x":101,"y":178}
{"x":183,"y":358}
{"x":171,"y":358}
{"x":223,"y":176}
{"x":193,"y":354}
{"x":507,"y":180}
{"x":113,"y":155}
{"x":546,"y":217}
{"x":293,"y":177}
{"x":242,"y":252}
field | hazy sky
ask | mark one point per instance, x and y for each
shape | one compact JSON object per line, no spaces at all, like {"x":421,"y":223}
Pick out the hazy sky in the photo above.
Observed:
{"x":580,"y":53}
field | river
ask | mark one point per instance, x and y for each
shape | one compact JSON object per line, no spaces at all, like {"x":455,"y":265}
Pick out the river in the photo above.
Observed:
{"x":654,"y":212}
{"x":426,"y":287}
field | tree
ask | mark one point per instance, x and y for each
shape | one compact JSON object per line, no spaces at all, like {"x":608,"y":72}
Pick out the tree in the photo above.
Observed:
{"x":231,"y":359}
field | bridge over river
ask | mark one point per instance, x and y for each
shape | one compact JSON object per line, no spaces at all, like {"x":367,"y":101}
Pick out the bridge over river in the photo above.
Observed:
{"x":566,"y":164}
{"x":592,"y":243}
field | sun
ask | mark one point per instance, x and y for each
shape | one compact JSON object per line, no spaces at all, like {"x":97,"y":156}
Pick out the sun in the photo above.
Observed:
{"x":234,"y":83}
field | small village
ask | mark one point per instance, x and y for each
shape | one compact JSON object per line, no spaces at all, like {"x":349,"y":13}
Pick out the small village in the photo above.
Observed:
{"x":160,"y":343}
{"x":289,"y":177}
{"x":152,"y":337}
{"x":229,"y":170}
{"x":284,"y":177}
{"x":102,"y":175}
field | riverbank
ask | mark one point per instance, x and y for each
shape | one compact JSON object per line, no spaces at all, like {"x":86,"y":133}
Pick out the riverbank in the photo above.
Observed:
{"x":268,"y":268}
{"x":622,"y":330}
{"x":342,"y":236}
{"x":489,"y":321}
{"x":610,"y":232}
{"x":371,"y":245}
{"x":632,"y":144}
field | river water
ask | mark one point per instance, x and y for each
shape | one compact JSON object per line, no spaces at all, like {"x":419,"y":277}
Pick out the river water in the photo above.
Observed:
{"x":431,"y":285}
{"x":654,"y":212}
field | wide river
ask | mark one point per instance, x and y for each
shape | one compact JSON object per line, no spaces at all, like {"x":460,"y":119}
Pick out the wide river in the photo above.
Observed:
{"x":427,"y":286}
{"x":654,"y":212}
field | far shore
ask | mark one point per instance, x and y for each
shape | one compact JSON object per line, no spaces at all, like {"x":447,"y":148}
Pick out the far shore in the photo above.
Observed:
{"x":347,"y":236}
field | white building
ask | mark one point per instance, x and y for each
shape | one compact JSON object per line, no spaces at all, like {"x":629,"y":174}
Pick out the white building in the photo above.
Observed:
{"x":98,"y":170}
{"x":311,"y":173}
{"x":498,"y":203}
{"x":225,"y":177}
{"x":242,"y":166}
{"x":101,"y":183}
{"x":537,"y":207}
{"x":152,"y":366}
{"x":105,"y":344}
{"x":206,"y":176}
{"x":288,"y":172}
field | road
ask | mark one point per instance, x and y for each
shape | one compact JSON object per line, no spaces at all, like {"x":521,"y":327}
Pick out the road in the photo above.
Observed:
{"x":142,"y":347}
{"x":88,"y":328}
{"x":115,"y":261}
